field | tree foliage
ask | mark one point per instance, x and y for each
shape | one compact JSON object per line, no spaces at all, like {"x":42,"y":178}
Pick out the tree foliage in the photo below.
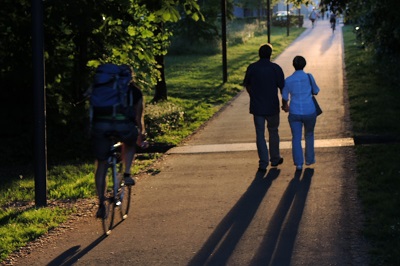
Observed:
{"x":79,"y":35}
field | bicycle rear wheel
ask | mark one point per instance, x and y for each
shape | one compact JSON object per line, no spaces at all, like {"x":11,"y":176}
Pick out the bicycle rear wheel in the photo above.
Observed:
{"x":125,"y":198}
{"x":108,"y":219}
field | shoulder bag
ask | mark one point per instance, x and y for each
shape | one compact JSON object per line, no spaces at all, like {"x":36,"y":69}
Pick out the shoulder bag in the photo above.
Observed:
{"x":317,"y":107}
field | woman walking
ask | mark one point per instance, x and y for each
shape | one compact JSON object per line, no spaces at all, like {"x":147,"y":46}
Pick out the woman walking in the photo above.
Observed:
{"x":298,"y":90}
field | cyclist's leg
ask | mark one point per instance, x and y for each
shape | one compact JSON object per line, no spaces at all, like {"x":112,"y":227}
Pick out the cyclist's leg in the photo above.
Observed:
{"x":128,"y":155}
{"x":101,"y":146}
{"x":129,"y":135}
{"x":100,"y":179}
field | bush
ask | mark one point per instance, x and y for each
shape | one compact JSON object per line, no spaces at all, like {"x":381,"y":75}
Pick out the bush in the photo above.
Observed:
{"x":161,"y":118}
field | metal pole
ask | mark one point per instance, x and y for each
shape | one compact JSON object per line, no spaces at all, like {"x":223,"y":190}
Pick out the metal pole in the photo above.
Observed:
{"x":224,"y":40}
{"x":269,"y":20}
{"x":40,"y":157}
{"x":288,"y":19}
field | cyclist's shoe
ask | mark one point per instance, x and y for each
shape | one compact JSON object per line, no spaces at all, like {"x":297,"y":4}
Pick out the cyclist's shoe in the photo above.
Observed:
{"x":101,"y":212}
{"x":128,"y":180}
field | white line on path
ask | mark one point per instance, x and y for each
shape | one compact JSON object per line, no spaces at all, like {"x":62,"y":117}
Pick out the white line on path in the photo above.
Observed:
{"x":319,"y":143}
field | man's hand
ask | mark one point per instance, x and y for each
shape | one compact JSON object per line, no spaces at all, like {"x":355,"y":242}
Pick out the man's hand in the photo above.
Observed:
{"x":285,"y":106}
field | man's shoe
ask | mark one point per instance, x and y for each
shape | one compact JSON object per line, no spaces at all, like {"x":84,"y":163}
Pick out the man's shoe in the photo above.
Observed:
{"x":129,"y":181}
{"x":278,"y":163}
{"x":299,"y":167}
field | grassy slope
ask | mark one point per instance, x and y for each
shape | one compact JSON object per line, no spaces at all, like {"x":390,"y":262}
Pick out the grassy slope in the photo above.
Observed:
{"x":373,"y":87}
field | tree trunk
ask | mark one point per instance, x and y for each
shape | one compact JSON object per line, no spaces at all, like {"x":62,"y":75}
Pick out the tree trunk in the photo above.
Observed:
{"x":161,"y":87}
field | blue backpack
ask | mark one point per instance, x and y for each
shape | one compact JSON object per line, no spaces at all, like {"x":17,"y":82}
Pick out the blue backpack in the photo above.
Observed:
{"x":110,"y":94}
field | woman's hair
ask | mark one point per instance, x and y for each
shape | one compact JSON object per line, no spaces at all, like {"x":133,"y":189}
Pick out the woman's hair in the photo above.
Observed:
{"x":299,"y":62}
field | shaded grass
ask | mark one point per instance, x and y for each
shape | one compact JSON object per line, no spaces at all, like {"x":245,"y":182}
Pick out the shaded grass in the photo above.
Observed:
{"x":373,"y":88}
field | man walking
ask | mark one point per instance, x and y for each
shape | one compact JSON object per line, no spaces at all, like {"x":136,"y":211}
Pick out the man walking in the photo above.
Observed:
{"x":262,"y":80}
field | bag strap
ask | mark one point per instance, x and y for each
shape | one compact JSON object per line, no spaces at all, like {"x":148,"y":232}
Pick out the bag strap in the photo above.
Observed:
{"x":309,"y":78}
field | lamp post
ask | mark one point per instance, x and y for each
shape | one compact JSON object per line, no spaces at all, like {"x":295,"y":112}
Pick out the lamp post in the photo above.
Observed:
{"x":40,"y":164}
{"x":224,"y":50}
{"x":287,"y":19}
{"x":269,"y":20}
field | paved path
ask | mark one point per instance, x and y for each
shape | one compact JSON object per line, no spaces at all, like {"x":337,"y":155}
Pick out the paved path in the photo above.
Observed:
{"x":208,"y":206}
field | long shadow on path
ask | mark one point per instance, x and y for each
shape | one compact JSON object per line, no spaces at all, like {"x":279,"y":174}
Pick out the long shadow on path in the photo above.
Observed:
{"x":277,"y":246}
{"x":222,"y":242}
{"x":73,"y":254}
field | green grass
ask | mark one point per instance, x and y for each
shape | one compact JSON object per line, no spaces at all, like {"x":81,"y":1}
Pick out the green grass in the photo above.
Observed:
{"x":196,"y":92}
{"x":373,"y":89}
{"x":374,"y":94}
{"x":19,"y":227}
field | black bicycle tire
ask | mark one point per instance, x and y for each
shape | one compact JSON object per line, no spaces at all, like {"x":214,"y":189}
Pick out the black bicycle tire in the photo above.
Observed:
{"x":125,"y":201}
{"x":108,"y":219}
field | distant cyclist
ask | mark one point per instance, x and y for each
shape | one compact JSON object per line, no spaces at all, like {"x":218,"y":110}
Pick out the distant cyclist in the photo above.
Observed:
{"x":332,"y":20}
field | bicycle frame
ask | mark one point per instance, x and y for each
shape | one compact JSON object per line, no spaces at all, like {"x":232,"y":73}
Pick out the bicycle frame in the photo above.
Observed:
{"x":113,"y":161}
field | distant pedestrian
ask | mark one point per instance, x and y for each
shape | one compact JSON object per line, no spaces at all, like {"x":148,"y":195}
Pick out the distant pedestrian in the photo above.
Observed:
{"x":262,"y":80}
{"x":313,"y":16}
{"x":299,"y":88}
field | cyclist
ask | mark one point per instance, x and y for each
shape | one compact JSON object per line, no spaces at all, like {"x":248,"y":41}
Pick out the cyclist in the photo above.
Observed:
{"x":332,"y":20}
{"x":129,"y":131}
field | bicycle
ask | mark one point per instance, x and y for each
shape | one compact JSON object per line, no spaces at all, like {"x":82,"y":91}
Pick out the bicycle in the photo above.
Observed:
{"x":118,"y":195}
{"x":333,"y":26}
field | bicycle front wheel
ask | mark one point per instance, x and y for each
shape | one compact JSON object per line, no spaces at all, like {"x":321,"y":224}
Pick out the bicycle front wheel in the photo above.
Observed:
{"x":125,"y":201}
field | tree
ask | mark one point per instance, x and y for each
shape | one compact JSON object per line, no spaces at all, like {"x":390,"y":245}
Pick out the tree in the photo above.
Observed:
{"x":168,"y":11}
